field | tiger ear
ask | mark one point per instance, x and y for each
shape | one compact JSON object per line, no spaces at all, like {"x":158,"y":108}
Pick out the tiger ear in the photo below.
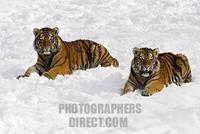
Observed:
{"x":156,"y":51}
{"x":135,"y":50}
{"x":56,"y":30}
{"x":36,"y":31}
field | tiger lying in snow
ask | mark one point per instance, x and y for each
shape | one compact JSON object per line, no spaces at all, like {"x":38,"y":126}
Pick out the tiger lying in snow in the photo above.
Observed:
{"x":151,"y":71}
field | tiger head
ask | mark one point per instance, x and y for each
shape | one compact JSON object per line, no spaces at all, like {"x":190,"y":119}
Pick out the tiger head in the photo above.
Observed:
{"x":145,"y":61}
{"x":46,"y":40}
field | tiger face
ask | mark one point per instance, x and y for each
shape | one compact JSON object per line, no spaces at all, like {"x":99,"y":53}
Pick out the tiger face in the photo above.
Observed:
{"x":145,"y":61}
{"x":46,"y":41}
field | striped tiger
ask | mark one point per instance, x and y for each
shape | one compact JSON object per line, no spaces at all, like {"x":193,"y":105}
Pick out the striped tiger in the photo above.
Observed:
{"x":56,"y":56}
{"x":151,"y":71}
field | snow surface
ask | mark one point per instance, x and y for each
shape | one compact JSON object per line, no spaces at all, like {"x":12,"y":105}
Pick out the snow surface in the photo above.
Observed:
{"x":30,"y":106}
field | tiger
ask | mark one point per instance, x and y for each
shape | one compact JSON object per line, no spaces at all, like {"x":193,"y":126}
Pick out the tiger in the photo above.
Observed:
{"x":58,"y":57}
{"x":151,"y":71}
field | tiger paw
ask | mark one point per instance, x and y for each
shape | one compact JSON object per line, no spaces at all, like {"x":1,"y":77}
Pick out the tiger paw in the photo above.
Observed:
{"x":146,"y":93}
{"x":49,"y":76}
{"x":177,"y":80}
{"x":127,"y":90}
{"x":21,"y":76}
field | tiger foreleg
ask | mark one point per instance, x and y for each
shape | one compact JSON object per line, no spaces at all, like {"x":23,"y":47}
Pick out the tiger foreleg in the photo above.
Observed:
{"x":129,"y":87}
{"x":152,"y":88}
{"x":53,"y":72}
{"x":28,"y":72}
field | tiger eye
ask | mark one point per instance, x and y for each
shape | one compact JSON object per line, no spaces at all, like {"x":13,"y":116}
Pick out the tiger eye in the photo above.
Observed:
{"x":51,"y":39}
{"x":141,"y":56}
{"x":41,"y":37}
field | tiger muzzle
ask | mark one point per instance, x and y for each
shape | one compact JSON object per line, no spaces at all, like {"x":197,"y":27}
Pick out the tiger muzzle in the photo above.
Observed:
{"x":146,"y":71}
{"x":46,"y":51}
{"x":49,"y":50}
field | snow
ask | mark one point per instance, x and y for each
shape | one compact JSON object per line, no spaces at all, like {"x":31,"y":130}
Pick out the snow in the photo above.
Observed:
{"x":30,"y":105}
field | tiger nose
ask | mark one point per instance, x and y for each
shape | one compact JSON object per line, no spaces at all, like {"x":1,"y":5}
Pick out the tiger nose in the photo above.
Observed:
{"x":46,"y":49}
{"x":146,"y":68}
